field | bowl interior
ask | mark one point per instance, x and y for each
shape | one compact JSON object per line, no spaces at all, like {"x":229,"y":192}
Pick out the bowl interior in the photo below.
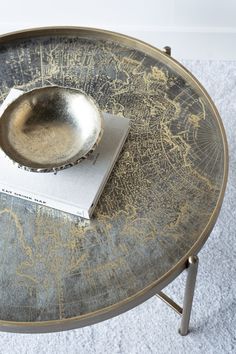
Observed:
{"x":50,"y":127}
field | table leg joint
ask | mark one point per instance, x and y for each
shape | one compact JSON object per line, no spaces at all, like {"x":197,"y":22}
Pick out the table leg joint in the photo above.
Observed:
{"x":185,"y":311}
{"x":178,"y":309}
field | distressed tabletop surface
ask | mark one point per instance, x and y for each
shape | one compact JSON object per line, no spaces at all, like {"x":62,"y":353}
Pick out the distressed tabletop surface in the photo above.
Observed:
{"x":165,"y":189}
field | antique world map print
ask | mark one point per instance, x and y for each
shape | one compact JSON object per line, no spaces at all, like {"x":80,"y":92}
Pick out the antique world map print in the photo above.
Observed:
{"x":160,"y":197}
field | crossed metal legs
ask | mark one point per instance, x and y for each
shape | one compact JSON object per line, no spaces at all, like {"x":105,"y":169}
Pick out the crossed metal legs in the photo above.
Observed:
{"x":185,"y":312}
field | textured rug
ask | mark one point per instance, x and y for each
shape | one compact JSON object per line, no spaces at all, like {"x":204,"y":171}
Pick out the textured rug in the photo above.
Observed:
{"x":152,"y":326}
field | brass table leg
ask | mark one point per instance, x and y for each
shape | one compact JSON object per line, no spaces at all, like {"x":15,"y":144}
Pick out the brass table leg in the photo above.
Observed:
{"x":188,"y":295}
{"x":167,"y":50}
{"x":184,"y":312}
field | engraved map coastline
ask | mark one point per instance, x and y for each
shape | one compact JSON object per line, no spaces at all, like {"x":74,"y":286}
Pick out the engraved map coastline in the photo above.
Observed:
{"x":155,"y":205}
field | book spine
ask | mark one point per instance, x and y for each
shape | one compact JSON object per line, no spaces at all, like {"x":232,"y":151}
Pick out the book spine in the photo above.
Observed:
{"x":44,"y":201}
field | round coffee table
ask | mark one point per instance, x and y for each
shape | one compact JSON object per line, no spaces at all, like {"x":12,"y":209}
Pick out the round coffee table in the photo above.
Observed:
{"x":158,"y":207}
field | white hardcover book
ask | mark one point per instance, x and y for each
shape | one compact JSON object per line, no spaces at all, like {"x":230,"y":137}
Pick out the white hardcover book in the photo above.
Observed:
{"x":75,"y":190}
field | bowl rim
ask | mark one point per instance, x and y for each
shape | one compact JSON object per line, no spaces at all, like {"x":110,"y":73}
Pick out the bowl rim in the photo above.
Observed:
{"x":69,"y":163}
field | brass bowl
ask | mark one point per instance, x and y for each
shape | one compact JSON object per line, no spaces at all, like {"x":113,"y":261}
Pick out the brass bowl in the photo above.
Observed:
{"x":50,"y":128}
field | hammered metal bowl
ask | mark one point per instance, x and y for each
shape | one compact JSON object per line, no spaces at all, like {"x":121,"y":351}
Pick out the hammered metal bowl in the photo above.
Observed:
{"x":50,"y":128}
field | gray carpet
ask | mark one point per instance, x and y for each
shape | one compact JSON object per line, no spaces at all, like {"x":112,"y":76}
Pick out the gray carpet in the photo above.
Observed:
{"x":152,"y":327}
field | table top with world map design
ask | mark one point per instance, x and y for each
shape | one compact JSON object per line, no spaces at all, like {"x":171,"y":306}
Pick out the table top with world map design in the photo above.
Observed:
{"x":59,"y":271}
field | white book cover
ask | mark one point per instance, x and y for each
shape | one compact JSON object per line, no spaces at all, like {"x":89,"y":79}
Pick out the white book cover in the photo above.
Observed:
{"x":75,"y":190}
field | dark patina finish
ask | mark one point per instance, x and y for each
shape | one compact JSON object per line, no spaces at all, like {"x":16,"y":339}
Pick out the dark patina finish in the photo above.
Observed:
{"x":158,"y":207}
